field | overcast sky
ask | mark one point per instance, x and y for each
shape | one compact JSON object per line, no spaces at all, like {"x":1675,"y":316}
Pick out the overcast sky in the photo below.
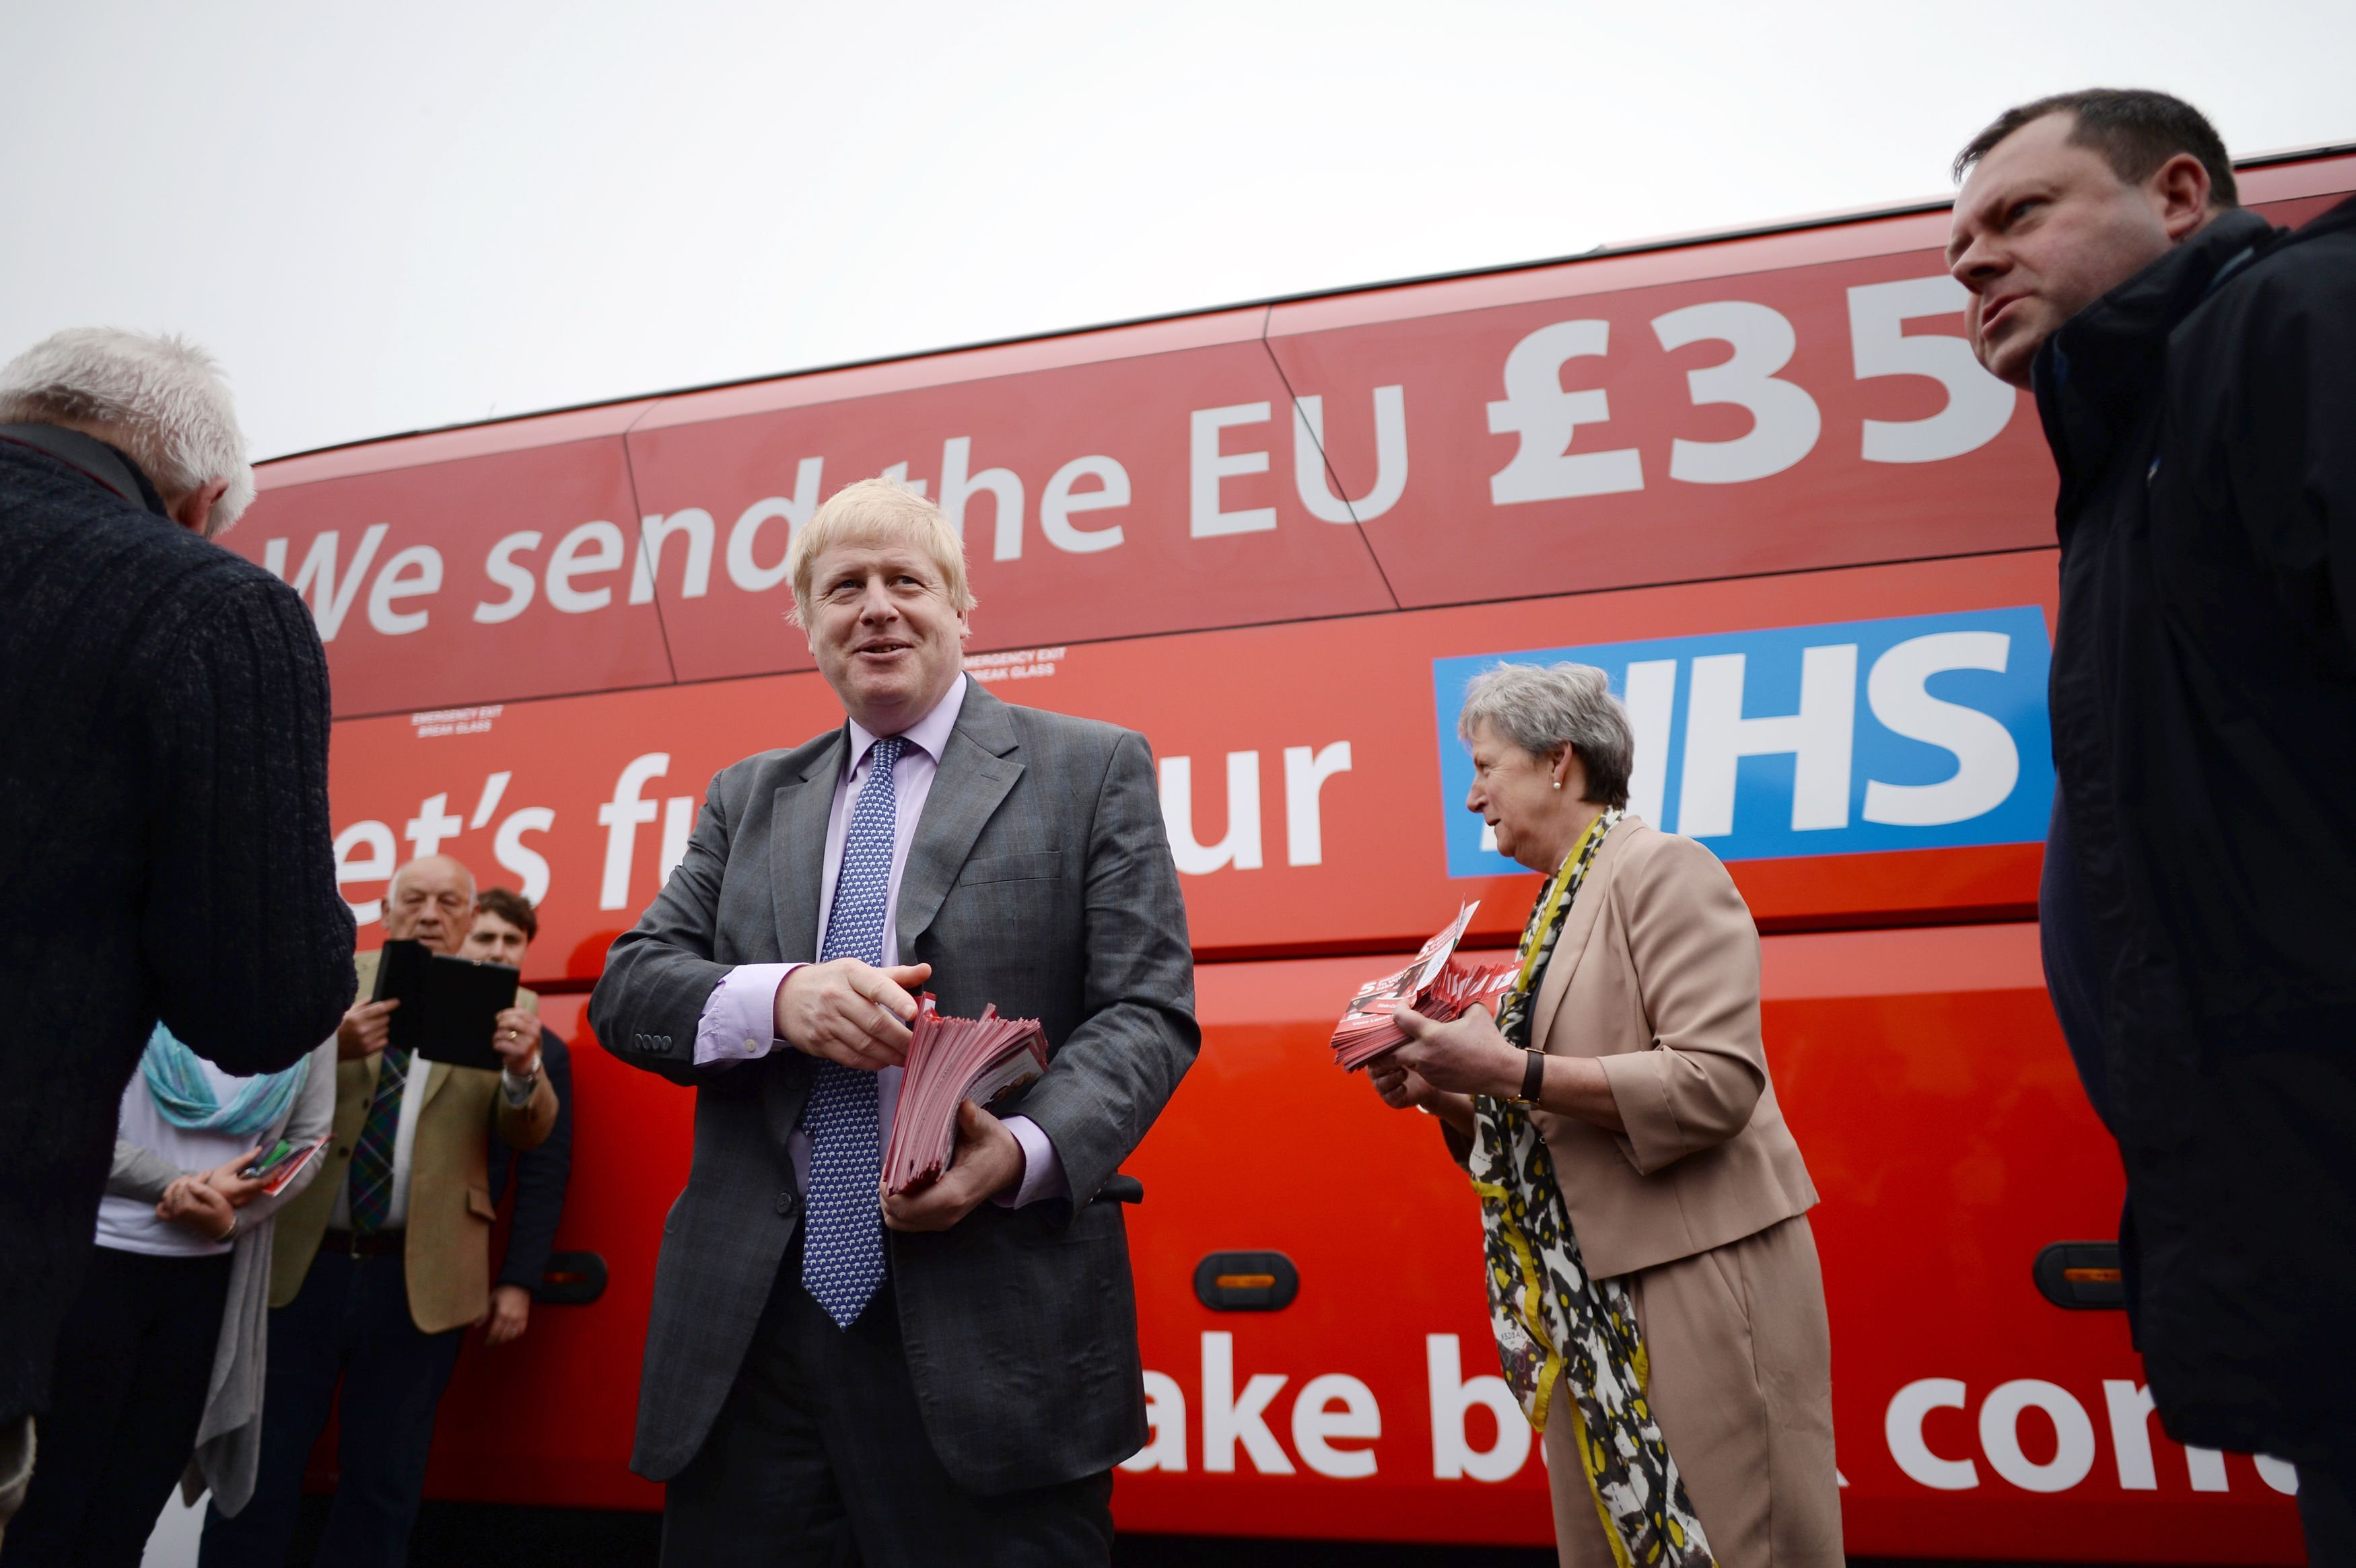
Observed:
{"x":385,"y":218}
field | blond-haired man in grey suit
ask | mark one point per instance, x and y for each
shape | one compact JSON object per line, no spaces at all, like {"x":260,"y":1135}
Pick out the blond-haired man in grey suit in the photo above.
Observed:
{"x":948,"y":1376}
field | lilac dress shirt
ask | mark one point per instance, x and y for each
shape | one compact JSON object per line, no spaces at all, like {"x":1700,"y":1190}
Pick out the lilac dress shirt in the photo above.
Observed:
{"x":739,"y":1021}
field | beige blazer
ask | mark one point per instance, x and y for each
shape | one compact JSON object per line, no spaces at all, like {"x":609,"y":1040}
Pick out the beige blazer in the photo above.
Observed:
{"x":446,"y":1253}
{"x":1656,"y":974}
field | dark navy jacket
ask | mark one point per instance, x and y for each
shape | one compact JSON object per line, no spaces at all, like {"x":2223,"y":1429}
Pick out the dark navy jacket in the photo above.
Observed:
{"x":2201,"y":923}
{"x":541,"y":1175}
{"x":163,"y":841}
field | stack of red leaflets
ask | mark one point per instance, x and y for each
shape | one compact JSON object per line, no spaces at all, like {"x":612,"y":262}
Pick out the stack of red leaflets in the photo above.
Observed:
{"x":1430,"y":985}
{"x":951,"y":1060}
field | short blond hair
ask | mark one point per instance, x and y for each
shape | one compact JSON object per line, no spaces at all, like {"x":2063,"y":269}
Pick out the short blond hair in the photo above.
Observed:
{"x":874,"y":511}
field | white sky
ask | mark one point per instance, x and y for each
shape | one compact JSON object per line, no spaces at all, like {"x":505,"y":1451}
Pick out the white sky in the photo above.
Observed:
{"x":384,"y":218}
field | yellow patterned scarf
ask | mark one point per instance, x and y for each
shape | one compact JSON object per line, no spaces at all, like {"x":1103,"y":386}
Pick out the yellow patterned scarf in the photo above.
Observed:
{"x":1553,"y":1320}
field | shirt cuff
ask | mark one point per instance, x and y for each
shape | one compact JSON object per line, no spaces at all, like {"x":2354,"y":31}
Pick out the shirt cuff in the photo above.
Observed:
{"x":1042,"y":1167}
{"x":517,"y":1090}
{"x":740,"y":1018}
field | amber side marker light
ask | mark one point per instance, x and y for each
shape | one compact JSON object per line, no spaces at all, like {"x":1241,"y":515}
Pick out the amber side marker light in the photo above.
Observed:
{"x":1246,"y":1281}
{"x":2082,"y":1276}
{"x":571,"y":1279}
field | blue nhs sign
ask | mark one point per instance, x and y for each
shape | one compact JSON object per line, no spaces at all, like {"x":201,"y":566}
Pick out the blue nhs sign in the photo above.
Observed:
{"x":1922,"y":733}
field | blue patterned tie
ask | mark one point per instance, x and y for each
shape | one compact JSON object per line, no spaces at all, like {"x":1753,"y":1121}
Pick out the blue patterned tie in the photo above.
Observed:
{"x":843,"y":1249}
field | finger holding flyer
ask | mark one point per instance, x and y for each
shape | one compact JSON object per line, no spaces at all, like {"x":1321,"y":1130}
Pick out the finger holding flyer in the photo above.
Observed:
{"x":1431,"y":985}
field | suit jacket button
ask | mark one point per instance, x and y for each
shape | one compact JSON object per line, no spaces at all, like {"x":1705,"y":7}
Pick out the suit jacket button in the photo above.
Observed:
{"x":785,"y":1202}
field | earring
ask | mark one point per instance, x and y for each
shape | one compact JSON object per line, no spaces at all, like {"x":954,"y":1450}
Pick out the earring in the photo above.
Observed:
{"x":1557,"y":784}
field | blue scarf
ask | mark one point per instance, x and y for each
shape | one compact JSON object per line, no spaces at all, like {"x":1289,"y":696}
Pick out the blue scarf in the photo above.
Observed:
{"x":183,"y":1093}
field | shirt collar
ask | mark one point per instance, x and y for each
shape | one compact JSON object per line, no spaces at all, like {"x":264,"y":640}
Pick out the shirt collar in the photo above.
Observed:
{"x":929,"y":734}
{"x":105,"y":465}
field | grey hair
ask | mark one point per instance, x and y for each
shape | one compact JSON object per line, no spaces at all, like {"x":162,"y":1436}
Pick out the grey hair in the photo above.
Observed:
{"x":160,"y":397}
{"x":1544,"y":708}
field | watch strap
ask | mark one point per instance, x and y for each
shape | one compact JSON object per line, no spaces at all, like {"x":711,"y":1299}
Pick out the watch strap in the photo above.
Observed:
{"x":1533,"y":1079}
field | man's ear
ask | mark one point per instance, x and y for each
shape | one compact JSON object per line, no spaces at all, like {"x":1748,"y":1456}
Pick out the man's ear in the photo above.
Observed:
{"x":194,"y":510}
{"x":2179,"y":192}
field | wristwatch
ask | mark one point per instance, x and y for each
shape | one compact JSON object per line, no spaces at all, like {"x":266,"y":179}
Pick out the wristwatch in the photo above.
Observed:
{"x":1533,"y":1080}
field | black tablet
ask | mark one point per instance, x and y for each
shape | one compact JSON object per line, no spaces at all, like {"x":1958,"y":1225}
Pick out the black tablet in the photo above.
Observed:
{"x":449,"y":1006}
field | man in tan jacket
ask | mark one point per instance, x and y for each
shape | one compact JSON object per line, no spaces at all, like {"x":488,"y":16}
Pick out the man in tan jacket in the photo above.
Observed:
{"x":383,"y":1262}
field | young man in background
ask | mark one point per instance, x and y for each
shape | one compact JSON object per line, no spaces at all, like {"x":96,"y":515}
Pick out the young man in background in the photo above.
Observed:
{"x":505,"y":925}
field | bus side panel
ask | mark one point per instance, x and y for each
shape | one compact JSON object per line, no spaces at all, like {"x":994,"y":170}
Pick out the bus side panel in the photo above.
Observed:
{"x":471,"y":581}
{"x":1920,"y":1071}
{"x":1085,"y":496}
{"x":1304,"y":768}
{"x":1774,"y":404}
{"x":1925,"y":1079}
{"x":547,"y":1420}
{"x":1764,"y":421}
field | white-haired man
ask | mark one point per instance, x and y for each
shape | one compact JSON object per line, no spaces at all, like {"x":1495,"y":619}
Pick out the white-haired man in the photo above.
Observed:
{"x":947,"y":1375}
{"x":166,"y":839}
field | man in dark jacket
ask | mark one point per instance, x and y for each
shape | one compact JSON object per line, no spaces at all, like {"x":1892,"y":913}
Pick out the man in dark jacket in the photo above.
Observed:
{"x":2195,"y":372}
{"x":505,"y":927}
{"x":165,"y":841}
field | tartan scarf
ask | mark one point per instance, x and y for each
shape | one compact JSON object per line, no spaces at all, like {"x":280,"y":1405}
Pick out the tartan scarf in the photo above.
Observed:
{"x":1554,"y":1321}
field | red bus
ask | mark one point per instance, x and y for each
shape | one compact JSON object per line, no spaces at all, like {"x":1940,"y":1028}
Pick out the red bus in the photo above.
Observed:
{"x":1757,"y":477}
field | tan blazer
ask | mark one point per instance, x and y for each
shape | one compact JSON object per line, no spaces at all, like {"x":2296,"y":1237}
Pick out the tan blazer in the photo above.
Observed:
{"x":1657,"y":973}
{"x":446,"y":1253}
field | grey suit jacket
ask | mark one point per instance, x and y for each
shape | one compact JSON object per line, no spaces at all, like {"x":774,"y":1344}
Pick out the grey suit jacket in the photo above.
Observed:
{"x":1040,"y":880}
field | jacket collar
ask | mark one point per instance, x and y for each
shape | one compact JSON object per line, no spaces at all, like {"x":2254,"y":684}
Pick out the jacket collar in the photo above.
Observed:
{"x":797,"y":845}
{"x":91,"y":458}
{"x":2333,"y":221}
{"x":976,"y":771}
{"x":1577,"y":926}
{"x":2094,"y":377}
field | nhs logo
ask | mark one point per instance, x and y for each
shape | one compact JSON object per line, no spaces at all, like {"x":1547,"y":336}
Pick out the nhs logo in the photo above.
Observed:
{"x":1922,"y":733}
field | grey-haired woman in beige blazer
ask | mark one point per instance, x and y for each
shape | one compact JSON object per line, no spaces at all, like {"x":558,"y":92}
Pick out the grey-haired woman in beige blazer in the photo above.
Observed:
{"x":1650,"y":1089}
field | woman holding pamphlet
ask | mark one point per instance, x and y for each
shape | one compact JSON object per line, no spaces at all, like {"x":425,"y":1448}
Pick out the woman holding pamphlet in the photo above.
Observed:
{"x":1652,"y":1279}
{"x":159,"y":1365}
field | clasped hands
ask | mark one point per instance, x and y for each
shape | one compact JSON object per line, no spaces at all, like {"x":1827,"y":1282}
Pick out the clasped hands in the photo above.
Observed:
{"x":859,"y":1015}
{"x":207,"y":1202}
